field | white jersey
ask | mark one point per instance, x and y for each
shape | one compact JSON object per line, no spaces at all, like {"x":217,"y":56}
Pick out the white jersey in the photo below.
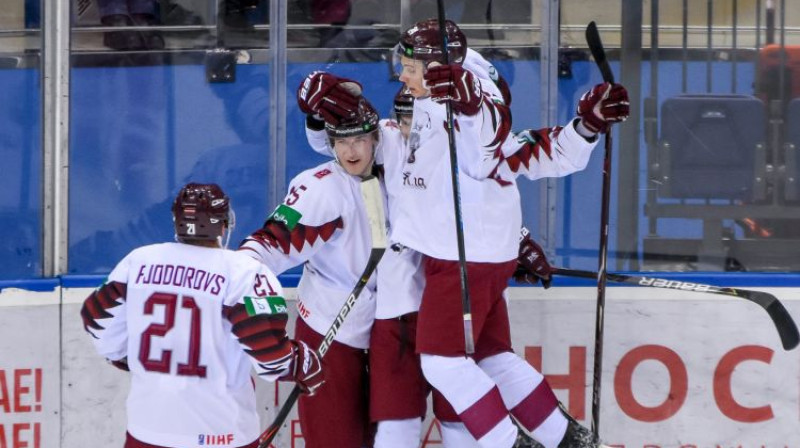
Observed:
{"x":171,"y":309}
{"x":323,"y":225}
{"x":424,"y":218}
{"x":401,"y":280}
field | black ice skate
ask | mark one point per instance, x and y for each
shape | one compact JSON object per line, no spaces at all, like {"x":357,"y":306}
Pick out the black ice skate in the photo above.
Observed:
{"x":525,"y":441}
{"x":577,"y":436}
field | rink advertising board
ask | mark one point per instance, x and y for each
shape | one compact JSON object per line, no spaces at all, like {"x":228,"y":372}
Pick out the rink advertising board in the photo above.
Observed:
{"x":681,"y":369}
{"x":29,"y":369}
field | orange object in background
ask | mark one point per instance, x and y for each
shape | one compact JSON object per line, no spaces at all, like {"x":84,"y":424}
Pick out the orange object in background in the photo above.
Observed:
{"x":767,"y":86}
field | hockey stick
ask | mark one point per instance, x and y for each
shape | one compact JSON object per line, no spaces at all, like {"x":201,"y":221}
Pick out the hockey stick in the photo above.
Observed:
{"x":466,"y":308}
{"x":373,"y":202}
{"x":787,"y":329}
{"x":599,"y":55}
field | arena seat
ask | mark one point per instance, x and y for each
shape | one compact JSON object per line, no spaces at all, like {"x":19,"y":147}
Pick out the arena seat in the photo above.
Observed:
{"x":791,"y":160}
{"x":711,"y":147}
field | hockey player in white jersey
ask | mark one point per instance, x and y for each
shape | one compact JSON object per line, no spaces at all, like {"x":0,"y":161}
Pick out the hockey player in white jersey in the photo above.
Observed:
{"x":494,"y":384}
{"x":188,"y":319}
{"x":322,"y":224}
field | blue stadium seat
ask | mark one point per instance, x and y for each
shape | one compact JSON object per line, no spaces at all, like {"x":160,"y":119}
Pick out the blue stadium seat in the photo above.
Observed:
{"x":792,"y":148}
{"x":711,"y":147}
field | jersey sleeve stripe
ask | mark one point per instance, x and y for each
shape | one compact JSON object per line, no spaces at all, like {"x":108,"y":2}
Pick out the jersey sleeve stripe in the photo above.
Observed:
{"x":96,"y":306}
{"x":275,"y":235}
{"x":272,"y":351}
{"x":265,"y":339}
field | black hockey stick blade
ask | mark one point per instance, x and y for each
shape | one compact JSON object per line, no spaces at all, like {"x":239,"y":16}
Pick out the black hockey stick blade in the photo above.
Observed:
{"x":787,"y":329}
{"x":599,"y":55}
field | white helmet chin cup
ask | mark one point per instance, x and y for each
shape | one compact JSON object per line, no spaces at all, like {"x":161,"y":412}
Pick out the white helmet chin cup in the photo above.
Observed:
{"x":229,"y":230}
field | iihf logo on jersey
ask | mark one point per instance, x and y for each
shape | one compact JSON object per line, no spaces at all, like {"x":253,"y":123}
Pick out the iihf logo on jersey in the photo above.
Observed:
{"x":413,"y":139}
{"x":413,"y":145}
{"x":214,"y":439}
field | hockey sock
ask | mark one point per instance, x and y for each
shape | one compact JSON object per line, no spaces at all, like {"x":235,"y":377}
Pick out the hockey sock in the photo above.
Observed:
{"x":398,"y":433}
{"x":474,"y":396}
{"x":456,"y":435}
{"x":528,"y":396}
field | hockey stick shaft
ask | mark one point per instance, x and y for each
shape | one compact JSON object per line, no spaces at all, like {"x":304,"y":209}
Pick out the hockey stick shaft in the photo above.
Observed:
{"x":787,"y":329}
{"x":269,"y":435}
{"x":373,"y":203}
{"x":466,"y":307}
{"x":596,"y":48}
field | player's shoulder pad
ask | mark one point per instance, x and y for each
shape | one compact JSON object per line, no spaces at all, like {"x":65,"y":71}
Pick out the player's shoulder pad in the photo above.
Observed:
{"x":390,"y":133}
{"x":241,"y":261}
{"x":324,"y":173}
{"x":389,"y":125}
{"x":322,"y":181}
{"x":261,"y":291}
{"x":265,"y":293}
{"x":315,"y":196}
{"x":148,"y":250}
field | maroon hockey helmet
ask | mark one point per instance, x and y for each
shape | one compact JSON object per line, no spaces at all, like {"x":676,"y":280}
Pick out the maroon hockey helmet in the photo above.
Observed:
{"x":365,"y":121}
{"x":403,"y":102}
{"x":423,"y":41}
{"x":201,"y":213}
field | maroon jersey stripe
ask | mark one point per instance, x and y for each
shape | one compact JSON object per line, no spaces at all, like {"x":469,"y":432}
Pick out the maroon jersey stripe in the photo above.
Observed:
{"x":272,"y":352}
{"x":236,"y":313}
{"x":99,"y":301}
{"x":275,"y":234}
{"x":260,"y":323}
{"x":533,"y":150}
{"x":265,"y":339}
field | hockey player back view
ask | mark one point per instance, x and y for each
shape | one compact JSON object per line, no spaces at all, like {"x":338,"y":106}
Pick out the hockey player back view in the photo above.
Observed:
{"x":182,"y":318}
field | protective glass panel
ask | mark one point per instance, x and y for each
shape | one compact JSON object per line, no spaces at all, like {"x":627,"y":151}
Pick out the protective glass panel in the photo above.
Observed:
{"x":718,"y":182}
{"x":157,"y":105}
{"x":20,"y":139}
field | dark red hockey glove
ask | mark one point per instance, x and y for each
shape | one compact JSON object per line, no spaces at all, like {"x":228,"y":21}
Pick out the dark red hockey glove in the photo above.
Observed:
{"x":306,"y":368}
{"x":602,"y":106}
{"x":532,"y":265}
{"x":329,"y":96}
{"x":456,"y":84}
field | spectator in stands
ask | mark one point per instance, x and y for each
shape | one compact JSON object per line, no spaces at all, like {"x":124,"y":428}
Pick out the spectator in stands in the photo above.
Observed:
{"x":125,"y":13}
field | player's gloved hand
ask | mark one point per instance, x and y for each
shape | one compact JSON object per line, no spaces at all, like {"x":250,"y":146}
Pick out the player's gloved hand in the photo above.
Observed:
{"x":456,"y":84}
{"x":532,"y":265}
{"x":602,"y":106}
{"x":306,"y":368}
{"x":121,"y":364}
{"x":329,"y":96}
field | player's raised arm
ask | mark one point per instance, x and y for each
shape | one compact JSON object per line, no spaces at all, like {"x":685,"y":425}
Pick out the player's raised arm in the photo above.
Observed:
{"x":559,"y":151}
